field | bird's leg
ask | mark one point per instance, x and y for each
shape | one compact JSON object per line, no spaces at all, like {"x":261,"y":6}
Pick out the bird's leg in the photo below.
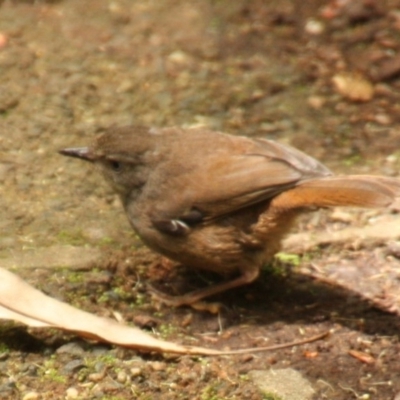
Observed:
{"x":248,"y":275}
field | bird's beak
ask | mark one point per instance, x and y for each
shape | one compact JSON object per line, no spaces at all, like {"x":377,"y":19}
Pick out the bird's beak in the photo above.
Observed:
{"x":83,"y":153}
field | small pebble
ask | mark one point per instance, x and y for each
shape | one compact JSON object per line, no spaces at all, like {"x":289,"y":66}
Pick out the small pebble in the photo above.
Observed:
{"x":100,"y":350}
{"x":31,"y":396}
{"x":136,"y":371}
{"x":392,"y":158}
{"x":73,"y":366}
{"x":353,"y":86}
{"x":99,"y":366}
{"x":393,"y":249}
{"x":314,"y":27}
{"x":342,"y":216}
{"x":122,"y":377}
{"x":96,"y":376}
{"x":71,"y":393}
{"x":383,"y":119}
{"x":31,"y":370}
{"x":71,"y":348}
{"x":158,"y":366}
{"x":316,"y":102}
{"x":179,"y":57}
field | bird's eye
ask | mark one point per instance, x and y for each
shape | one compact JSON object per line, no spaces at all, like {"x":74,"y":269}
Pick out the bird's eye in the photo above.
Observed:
{"x":115,"y":165}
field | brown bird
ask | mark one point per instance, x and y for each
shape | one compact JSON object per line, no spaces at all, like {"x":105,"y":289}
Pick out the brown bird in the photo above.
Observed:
{"x":220,"y":202}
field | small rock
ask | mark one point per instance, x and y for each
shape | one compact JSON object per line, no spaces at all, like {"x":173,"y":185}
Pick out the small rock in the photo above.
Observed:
{"x":314,"y":27}
{"x":383,"y":119}
{"x":286,"y":383}
{"x":71,"y":348}
{"x":393,"y":249}
{"x":179,"y":57}
{"x":342,"y":216}
{"x":71,"y":393}
{"x":73,"y":366}
{"x":316,"y":102}
{"x":100,"y":367}
{"x":353,"y":86}
{"x":158,"y":366}
{"x":392,"y":158}
{"x":100,"y":350}
{"x":122,"y":377}
{"x":31,"y":396}
{"x":96,"y":376}
{"x":136,"y":371}
{"x":31,"y":370}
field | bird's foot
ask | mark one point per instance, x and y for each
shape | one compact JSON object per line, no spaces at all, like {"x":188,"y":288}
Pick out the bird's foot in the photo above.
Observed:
{"x":191,"y":299}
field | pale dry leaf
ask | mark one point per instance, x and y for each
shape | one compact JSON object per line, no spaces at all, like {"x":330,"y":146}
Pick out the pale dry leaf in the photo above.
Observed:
{"x":21,"y":302}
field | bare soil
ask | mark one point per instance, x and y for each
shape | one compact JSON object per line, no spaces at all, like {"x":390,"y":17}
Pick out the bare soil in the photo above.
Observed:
{"x":70,"y":68}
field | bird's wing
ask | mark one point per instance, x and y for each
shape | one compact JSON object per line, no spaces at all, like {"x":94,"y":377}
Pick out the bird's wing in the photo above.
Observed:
{"x":239,"y":181}
{"x":228,"y":182}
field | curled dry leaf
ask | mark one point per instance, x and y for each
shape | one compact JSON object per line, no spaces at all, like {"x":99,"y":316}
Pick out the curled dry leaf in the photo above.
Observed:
{"x":21,"y":302}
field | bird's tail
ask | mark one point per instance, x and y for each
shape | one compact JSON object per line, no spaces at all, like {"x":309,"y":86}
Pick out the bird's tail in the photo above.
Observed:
{"x":351,"y":190}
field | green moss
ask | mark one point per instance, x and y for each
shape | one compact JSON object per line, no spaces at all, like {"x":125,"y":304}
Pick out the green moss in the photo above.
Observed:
{"x":73,"y":238}
{"x":113,"y":398}
{"x":74,"y":276}
{"x":271,"y":396}
{"x":106,"y":241}
{"x":49,"y":372}
{"x":210,"y":393}
{"x":355,"y":159}
{"x":288,"y":258}
{"x":166,"y":330}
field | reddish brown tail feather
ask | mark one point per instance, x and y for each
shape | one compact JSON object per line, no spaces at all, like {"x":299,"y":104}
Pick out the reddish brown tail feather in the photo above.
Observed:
{"x":351,"y":190}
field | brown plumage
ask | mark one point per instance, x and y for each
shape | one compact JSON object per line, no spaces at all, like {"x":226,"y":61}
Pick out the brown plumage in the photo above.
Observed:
{"x":220,"y":202}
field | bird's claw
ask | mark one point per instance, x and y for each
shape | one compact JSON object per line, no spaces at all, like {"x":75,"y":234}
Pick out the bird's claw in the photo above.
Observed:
{"x":184,"y":300}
